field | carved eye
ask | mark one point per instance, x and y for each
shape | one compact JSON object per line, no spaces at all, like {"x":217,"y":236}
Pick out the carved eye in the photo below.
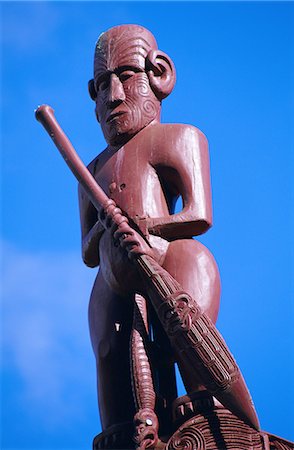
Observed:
{"x":102,"y":82}
{"x":126,"y":74}
{"x":103,"y":85}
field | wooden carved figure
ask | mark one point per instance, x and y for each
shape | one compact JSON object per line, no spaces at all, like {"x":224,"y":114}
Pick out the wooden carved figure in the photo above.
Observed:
{"x":155,"y":299}
{"x":145,"y":167}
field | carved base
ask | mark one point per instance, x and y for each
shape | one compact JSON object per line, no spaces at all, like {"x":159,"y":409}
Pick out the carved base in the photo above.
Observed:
{"x":221,"y":430}
{"x":199,"y":423}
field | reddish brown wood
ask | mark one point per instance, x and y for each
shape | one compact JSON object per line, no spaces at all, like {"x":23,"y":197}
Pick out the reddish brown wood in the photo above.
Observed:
{"x":190,"y":331}
{"x":144,"y":174}
{"x":156,"y":296}
{"x":145,"y":168}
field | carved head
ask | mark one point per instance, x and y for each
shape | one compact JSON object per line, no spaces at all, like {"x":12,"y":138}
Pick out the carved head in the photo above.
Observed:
{"x":131,"y":77}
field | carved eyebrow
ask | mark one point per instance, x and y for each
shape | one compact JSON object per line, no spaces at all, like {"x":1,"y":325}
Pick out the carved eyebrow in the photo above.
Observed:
{"x":105,"y":75}
{"x":121,"y":69}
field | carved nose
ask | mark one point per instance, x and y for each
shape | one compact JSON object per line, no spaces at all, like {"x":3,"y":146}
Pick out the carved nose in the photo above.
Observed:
{"x":116,"y":91}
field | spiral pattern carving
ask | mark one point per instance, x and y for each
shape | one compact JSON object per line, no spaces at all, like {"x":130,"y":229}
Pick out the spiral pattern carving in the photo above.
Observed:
{"x":142,"y":87}
{"x":187,"y":439}
{"x":150,"y":108}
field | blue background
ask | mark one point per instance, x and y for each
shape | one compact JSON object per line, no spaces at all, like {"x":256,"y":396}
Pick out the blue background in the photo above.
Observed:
{"x":235,"y":83}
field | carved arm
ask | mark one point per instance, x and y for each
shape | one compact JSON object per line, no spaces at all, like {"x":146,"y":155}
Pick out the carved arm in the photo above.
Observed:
{"x":184,"y":171}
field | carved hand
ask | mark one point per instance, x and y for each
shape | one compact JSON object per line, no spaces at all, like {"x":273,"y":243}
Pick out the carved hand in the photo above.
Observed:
{"x":124,"y":235}
{"x":134,"y":244}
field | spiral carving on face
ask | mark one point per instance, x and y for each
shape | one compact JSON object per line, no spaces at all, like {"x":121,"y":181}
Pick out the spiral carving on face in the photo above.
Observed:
{"x":142,"y":87}
{"x":149,"y":108}
{"x":138,"y":108}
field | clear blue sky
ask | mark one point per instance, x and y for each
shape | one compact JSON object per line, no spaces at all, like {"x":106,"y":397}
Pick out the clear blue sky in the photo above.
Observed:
{"x":235,"y":83}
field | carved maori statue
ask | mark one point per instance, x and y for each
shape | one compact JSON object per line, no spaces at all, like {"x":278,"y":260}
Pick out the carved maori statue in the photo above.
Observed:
{"x":155,"y":299}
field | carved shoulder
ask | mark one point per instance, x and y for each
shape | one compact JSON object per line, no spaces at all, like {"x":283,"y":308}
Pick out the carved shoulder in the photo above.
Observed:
{"x":188,"y":136}
{"x":174,"y":144}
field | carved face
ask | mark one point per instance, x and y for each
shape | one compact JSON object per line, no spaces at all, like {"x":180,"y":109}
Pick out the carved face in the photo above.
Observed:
{"x":125,"y":102}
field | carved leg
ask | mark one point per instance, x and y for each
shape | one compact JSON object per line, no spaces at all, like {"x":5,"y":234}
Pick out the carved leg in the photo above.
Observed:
{"x":111,"y":321}
{"x":145,"y":420}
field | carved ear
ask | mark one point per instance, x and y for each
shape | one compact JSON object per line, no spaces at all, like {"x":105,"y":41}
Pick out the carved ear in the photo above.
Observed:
{"x":161,"y":73}
{"x":92,"y":89}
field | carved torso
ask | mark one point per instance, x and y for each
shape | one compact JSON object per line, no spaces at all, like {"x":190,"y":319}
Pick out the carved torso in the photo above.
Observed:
{"x":128,"y":177}
{"x":145,"y":177}
{"x":148,"y":174}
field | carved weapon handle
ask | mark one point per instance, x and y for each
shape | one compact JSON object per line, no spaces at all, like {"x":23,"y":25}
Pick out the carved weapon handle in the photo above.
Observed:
{"x":45,"y":115}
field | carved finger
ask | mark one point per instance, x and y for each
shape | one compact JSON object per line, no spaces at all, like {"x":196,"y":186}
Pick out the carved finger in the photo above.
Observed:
{"x":123,"y":228}
{"x":128,"y":241}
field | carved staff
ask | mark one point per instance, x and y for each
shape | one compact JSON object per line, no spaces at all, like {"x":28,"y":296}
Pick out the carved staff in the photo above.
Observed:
{"x":191,"y":332}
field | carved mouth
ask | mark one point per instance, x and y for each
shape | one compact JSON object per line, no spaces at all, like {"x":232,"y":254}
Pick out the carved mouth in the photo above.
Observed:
{"x":114,"y":115}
